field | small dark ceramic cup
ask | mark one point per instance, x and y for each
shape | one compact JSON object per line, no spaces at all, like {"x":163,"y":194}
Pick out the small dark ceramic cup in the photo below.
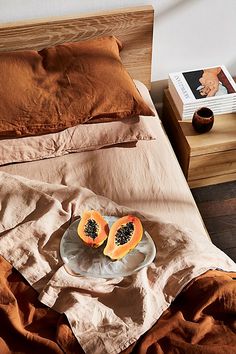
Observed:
{"x":203,"y":120}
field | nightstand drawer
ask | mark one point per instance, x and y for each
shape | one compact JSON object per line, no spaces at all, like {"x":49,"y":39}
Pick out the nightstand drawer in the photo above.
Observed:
{"x":210,"y":165}
{"x":205,"y":159}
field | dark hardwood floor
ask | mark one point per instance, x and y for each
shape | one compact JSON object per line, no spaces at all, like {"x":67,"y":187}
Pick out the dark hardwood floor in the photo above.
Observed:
{"x":217,"y":205}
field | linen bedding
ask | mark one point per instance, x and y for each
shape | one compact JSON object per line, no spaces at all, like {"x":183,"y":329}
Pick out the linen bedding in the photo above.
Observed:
{"x":61,"y":86}
{"x":38,"y":201}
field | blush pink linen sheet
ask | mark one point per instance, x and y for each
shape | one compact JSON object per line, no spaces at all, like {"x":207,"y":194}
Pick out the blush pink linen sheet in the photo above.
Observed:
{"x":106,"y":315}
{"x":40,"y":199}
{"x":82,"y":137}
{"x":146,"y":178}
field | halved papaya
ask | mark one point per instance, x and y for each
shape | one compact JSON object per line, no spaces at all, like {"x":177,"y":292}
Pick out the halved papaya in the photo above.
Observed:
{"x":93,"y":228}
{"x":125,"y":233}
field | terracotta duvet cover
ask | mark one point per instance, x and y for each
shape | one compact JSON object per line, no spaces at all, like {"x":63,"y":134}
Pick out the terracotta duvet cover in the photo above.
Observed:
{"x":184,"y":302}
{"x":200,"y":320}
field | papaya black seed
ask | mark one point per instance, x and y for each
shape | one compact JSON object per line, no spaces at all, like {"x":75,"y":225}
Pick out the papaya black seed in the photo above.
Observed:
{"x":124,"y":234}
{"x":91,"y":228}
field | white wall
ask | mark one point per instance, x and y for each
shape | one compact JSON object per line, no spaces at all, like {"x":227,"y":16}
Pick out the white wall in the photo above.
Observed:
{"x":188,"y":33}
{"x":195,"y":33}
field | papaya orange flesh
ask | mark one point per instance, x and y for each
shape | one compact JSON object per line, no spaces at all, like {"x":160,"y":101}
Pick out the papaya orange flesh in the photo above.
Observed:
{"x":93,"y":228}
{"x":125,"y":233}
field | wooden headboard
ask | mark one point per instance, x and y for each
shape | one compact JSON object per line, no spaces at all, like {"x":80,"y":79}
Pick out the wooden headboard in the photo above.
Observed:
{"x":133,"y":26}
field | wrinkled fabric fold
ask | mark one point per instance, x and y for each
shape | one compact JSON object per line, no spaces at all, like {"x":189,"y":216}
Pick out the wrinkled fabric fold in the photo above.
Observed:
{"x":105,"y":315}
{"x":82,"y":137}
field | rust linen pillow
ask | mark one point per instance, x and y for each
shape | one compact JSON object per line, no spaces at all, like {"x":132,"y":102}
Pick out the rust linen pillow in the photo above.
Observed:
{"x":83,"y":137}
{"x":62,"y":86}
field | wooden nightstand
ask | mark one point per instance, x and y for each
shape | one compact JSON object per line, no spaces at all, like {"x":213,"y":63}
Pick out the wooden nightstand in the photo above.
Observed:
{"x":205,"y":159}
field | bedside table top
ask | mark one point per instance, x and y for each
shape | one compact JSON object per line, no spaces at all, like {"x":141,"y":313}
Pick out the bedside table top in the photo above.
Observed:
{"x":221,"y":137}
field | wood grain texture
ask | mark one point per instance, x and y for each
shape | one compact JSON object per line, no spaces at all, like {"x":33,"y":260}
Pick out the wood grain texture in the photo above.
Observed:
{"x":221,"y":137}
{"x":133,"y":26}
{"x":220,"y":208}
{"x":217,"y":205}
{"x":175,"y":133}
{"x":210,"y":165}
{"x":224,"y":191}
{"x":204,"y":158}
{"x":227,"y":177}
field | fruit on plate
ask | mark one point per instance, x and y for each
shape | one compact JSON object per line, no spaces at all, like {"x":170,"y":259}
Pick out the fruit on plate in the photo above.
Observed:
{"x":93,"y":228}
{"x":125,"y":233}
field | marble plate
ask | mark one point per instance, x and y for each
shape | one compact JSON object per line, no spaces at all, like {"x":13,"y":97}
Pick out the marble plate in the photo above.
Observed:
{"x":80,"y":259}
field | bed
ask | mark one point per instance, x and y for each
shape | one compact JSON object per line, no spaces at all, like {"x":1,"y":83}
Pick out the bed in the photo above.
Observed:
{"x":184,"y":301}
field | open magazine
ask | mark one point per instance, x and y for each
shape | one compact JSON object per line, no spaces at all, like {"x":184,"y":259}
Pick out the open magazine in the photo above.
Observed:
{"x":212,"y":87}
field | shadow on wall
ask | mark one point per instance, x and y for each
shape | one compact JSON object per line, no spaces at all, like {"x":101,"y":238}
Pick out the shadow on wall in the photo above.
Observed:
{"x":232,"y":68}
{"x":157,"y":91}
{"x":162,"y":11}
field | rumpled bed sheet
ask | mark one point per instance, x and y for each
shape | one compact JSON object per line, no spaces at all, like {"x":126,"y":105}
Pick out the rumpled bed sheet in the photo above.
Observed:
{"x":105,"y":315}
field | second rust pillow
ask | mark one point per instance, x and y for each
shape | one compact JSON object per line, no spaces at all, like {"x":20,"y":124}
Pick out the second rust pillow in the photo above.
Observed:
{"x":62,"y":86}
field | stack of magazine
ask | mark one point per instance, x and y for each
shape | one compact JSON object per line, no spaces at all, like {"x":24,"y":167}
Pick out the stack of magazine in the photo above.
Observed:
{"x":211,"y":87}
